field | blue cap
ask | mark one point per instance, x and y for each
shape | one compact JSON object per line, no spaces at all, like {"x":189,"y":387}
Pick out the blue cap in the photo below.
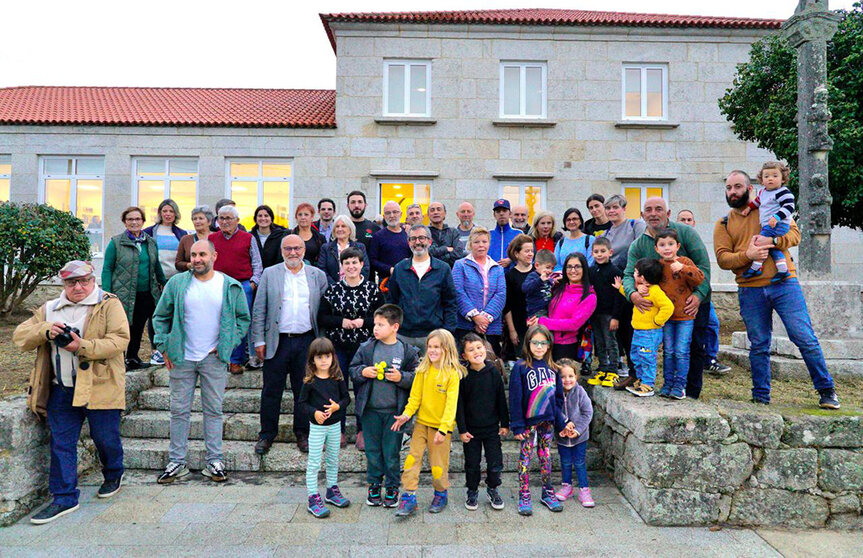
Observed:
{"x":501,"y":204}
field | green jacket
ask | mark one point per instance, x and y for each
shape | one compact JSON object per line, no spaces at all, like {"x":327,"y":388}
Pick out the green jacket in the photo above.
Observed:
{"x":127,"y":270}
{"x":691,"y":246}
{"x":168,"y":319}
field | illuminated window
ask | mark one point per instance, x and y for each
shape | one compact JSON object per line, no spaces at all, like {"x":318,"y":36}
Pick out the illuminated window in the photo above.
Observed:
{"x":531,"y":194}
{"x":407,"y":88}
{"x":159,"y":179}
{"x":645,"y":92}
{"x":253,"y":182}
{"x":75,"y":184}
{"x":523,"y":92}
{"x":5,"y":176}
{"x":405,"y":194}
{"x":636,"y":194}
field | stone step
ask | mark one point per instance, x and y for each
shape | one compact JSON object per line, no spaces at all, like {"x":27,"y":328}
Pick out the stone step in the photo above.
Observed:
{"x":250,"y":379}
{"x":785,"y":367}
{"x":841,"y":349}
{"x":236,"y":401}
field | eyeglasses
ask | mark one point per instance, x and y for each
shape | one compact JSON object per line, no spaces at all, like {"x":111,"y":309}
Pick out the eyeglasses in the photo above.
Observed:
{"x":133,"y":219}
{"x":292,"y":248}
{"x":422,"y":238}
{"x":84,"y":281}
{"x":226,"y":218}
{"x":539,"y":343}
{"x":573,"y":267}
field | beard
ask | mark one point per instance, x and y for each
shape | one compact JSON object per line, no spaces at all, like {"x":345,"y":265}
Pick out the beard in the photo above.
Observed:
{"x":357,"y":213}
{"x":203,"y":269}
{"x":419,"y":252}
{"x":740,"y":202}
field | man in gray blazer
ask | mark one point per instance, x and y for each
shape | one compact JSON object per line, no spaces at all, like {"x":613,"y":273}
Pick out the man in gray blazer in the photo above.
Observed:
{"x":284,"y":323}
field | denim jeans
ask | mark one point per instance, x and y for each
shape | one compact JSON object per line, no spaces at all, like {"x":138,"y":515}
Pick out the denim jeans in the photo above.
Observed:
{"x":573,"y":457}
{"x":240,"y":353}
{"x":676,"y":339}
{"x":604,"y":342}
{"x":756,"y":306}
{"x":645,"y":344}
{"x":213,"y":374}
{"x":781,"y":229}
{"x":383,"y":460}
{"x":711,"y":339}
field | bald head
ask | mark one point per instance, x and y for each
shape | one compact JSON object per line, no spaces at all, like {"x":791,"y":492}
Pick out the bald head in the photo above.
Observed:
{"x":655,"y":213}
{"x":202,"y":255}
{"x":519,"y":216}
{"x":465,"y":214}
{"x":293,"y":250}
{"x":392,"y":214}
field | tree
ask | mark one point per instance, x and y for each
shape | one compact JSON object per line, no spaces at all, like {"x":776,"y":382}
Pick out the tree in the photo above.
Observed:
{"x":36,"y":241}
{"x":761,"y":106}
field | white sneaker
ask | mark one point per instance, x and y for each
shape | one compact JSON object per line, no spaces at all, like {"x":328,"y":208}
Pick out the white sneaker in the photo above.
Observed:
{"x":157,"y":359}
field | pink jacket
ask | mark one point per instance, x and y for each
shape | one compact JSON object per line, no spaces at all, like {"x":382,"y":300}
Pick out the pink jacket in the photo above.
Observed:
{"x":567,"y":313}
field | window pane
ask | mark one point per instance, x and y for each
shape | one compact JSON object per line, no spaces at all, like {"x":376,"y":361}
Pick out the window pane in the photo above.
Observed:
{"x":401,"y":193}
{"x":418,"y":89}
{"x":244,"y":169}
{"x":5,"y":164}
{"x":512,"y":194}
{"x":91,"y":166}
{"x":396,"y":89}
{"x":149,"y":167}
{"x":183,"y":192}
{"x":89,"y":209}
{"x":277,"y":170}
{"x":4,"y":189}
{"x":277,"y":196}
{"x":633,"y":92}
{"x":533,"y":201}
{"x":58,"y":166}
{"x":422,"y":196}
{"x":58,"y":194}
{"x":654,"y":193}
{"x":633,"y":202}
{"x":184,"y":167}
{"x":533,"y":91}
{"x":654,"y":92}
{"x":150,"y":195}
{"x":245,"y":194}
{"x":512,"y":90}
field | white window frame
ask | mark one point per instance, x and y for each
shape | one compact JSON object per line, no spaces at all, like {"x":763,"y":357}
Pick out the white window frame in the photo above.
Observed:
{"x":644,"y":186}
{"x":521,"y":185}
{"x":643,"y":81}
{"x":6,"y":158}
{"x":397,"y":180}
{"x":260,"y":178}
{"x":166,"y":179}
{"x":523,"y":65}
{"x":73,"y":185}
{"x":407,"y":63}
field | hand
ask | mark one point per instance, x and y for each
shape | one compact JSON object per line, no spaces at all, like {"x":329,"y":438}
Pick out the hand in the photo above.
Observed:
{"x":613,"y":325}
{"x":253,"y":286}
{"x":513,"y":336}
{"x":532,"y":321}
{"x":347,"y":324}
{"x":519,"y":437}
{"x":481,"y":320}
{"x":466,"y":437}
{"x":545,"y":275}
{"x":643,"y":290}
{"x":617,"y":283}
{"x":370,"y":372}
{"x":332,"y":407}
{"x":570,"y":428}
{"x":640,"y":302}
{"x":394,"y":375}
{"x":691,"y":306}
{"x":439,"y":438}
{"x":169,"y":364}
{"x":321,"y":416}
{"x":502,"y":432}
{"x":75,"y":344}
{"x":358,"y":322}
{"x":391,"y":271}
{"x":756,"y":252}
{"x":56,"y":329}
{"x":400,"y":420}
{"x":564,"y":433}
{"x":772,"y":222}
{"x":504,"y":262}
{"x":261,"y":351}
{"x":676,"y":266}
{"x":746,"y":210}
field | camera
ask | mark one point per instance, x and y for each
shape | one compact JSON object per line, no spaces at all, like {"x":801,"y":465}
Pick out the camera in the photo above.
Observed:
{"x":65,"y":338}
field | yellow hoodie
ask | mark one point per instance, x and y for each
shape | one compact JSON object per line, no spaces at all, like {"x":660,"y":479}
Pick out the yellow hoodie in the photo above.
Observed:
{"x":656,"y":315}
{"x":435,"y":396}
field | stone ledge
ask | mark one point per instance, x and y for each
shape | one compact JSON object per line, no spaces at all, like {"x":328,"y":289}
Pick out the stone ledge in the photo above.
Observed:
{"x":646,"y":125}
{"x":523,"y":123}
{"x":785,"y":367}
{"x":836,"y":431}
{"x":843,"y":349}
{"x":405,"y":121}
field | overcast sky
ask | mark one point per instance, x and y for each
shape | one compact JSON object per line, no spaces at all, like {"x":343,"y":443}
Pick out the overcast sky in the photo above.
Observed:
{"x":246,"y":43}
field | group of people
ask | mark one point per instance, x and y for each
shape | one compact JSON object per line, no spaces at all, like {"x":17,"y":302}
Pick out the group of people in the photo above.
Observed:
{"x":413,"y":318}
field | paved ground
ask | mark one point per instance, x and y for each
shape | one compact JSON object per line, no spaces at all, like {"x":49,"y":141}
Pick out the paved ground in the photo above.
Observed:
{"x":265,"y":515}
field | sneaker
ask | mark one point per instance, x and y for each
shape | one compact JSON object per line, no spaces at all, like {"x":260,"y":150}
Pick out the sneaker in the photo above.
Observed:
{"x":361,"y":442}
{"x":157,"y":359}
{"x":235,"y":368}
{"x":494,"y":498}
{"x":110,"y":487}
{"x":750,"y":273}
{"x":716,"y":368}
{"x":585,"y":497}
{"x":51,"y":512}
{"x":828,"y":400}
{"x":564,"y":492}
{"x":407,"y":505}
{"x":760,"y":401}
{"x":215,"y":471}
{"x":640,"y":389}
{"x":665,"y":390}
{"x":597,"y":379}
{"x":471,"y":501}
{"x":677,"y":393}
{"x":172,"y":472}
{"x":316,"y":506}
{"x":254,"y":363}
{"x":391,"y":499}
{"x":550,"y":500}
{"x":334,"y":497}
{"x":624,"y":382}
{"x":406,"y":441}
{"x":779,"y":277}
{"x":439,"y":502}
{"x":374,"y":497}
{"x":609,"y":379}
{"x":524,"y":505}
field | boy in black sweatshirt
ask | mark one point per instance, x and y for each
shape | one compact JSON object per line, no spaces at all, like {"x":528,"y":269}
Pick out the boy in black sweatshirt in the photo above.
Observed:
{"x":606,"y":317}
{"x":482,"y":418}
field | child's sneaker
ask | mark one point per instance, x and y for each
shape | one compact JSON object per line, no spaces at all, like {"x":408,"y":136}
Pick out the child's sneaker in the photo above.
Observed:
{"x":334,"y":497}
{"x":316,"y":506}
{"x":471,"y":501}
{"x":215,"y":471}
{"x":779,"y":277}
{"x":439,"y":502}
{"x":494,"y":498}
{"x":585,"y":497}
{"x":677,"y":393}
{"x":407,"y":505}
{"x":564,"y":492}
{"x":391,"y":499}
{"x":524,"y":505}
{"x":550,"y":500}
{"x":597,"y":379}
{"x":374,"y":497}
{"x":172,"y":472}
{"x":665,"y":390}
{"x":750,"y":273}
{"x":640,"y":389}
{"x":609,"y":379}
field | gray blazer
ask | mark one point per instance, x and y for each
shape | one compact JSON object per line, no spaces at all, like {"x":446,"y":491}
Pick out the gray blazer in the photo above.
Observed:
{"x":268,"y":304}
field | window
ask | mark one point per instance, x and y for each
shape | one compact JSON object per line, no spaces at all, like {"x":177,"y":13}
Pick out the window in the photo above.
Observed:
{"x":523,"y":92}
{"x":5,"y":176}
{"x":407,"y":88}
{"x":158,"y":179}
{"x":531,"y":194}
{"x":405,"y":194}
{"x":645,"y":92}
{"x":75,"y":184}
{"x":257,"y":182}
{"x":636,"y":194}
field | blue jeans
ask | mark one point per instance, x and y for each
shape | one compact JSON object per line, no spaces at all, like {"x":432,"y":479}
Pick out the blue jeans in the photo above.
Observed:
{"x":65,"y":422}
{"x":676,"y":339}
{"x":240,"y":353}
{"x":573,"y":458}
{"x":711,"y":339}
{"x":756,"y":307}
{"x":781,"y":229}
{"x":645,"y":344}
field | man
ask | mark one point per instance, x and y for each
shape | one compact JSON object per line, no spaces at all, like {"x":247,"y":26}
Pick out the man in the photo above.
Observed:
{"x":327,"y":211}
{"x":737,"y":243}
{"x":284,"y":323}
{"x":389,"y":245}
{"x":502,"y":234}
{"x":78,"y":376}
{"x":599,"y":221}
{"x":413,"y":215}
{"x":214,"y":225}
{"x":465,"y":216}
{"x":519,"y":218}
{"x":656,"y":215}
{"x":202,"y":315}
{"x":711,"y":341}
{"x":240,"y":260}
{"x":357,"y":208}
{"x":445,"y":243}
{"x":423,"y":288}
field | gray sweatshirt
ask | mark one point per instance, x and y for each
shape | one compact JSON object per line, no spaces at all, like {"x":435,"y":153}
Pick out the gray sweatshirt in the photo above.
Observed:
{"x":578,"y":410}
{"x":621,"y":236}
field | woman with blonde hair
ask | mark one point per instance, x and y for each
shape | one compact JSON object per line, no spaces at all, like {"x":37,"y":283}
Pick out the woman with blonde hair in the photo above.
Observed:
{"x":544,"y":231}
{"x":343,"y":235}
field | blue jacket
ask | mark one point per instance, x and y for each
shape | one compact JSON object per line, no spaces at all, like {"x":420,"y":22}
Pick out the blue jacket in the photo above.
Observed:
{"x":328,"y":260}
{"x":428,"y":303}
{"x":500,"y":239}
{"x":467,"y":279}
{"x":535,"y":395}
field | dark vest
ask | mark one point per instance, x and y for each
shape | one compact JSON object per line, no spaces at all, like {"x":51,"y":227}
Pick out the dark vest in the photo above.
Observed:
{"x":124,"y":281}
{"x":233,"y":254}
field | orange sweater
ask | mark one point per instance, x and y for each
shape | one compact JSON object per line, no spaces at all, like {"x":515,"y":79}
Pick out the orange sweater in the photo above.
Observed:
{"x":678,"y":286}
{"x":730,"y":241}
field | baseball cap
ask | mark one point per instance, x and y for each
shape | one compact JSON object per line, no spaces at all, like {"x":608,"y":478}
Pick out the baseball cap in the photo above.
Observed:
{"x":501,"y":204}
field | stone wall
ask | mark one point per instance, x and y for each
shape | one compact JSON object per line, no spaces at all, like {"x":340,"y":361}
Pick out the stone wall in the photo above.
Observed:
{"x":694,"y":463}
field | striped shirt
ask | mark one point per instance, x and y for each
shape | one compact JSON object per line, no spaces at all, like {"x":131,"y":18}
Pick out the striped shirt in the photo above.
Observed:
{"x":777,"y":203}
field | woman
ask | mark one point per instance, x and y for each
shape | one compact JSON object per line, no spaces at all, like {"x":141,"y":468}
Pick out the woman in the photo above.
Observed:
{"x":574,"y":240}
{"x":347,"y":313}
{"x":201,"y":219}
{"x":572,"y":304}
{"x":544,"y":232}
{"x":304,"y":215}
{"x":344,"y":236}
{"x":268,"y":235}
{"x":131,"y":271}
{"x":167,"y":235}
{"x":520,"y":251}
{"x":480,"y":290}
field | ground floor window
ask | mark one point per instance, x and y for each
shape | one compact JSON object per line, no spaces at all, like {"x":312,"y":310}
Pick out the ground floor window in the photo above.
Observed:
{"x":5,"y":176}
{"x":405,"y":194}
{"x":254,"y":182}
{"x":530,"y":194}
{"x":157,"y":179}
{"x":76,"y":184}
{"x":636,"y":194}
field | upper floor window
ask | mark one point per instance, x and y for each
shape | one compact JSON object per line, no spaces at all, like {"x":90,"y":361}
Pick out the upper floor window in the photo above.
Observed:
{"x":5,"y":176}
{"x":254,"y":182}
{"x":406,"y":194}
{"x":523,"y":91}
{"x":407,"y":88}
{"x":529,"y":194}
{"x":645,"y":92}
{"x":637,"y":194}
{"x":157,"y":179}
{"x":76,"y":184}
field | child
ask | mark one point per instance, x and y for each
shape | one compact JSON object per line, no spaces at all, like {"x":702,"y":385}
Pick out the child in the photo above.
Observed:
{"x":324,"y":398}
{"x":434,"y":399}
{"x":679,"y":277}
{"x":379,"y":397}
{"x":537,"y":285}
{"x":535,"y":397}
{"x":776,"y":204}
{"x":572,"y":440}
{"x":605,"y":319}
{"x":647,"y":326}
{"x":482,"y":417}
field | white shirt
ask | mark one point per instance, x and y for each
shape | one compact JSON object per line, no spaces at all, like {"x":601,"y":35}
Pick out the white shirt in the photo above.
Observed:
{"x":73,"y":314}
{"x":202,"y":310}
{"x":421,"y":267}
{"x":295,"y":317}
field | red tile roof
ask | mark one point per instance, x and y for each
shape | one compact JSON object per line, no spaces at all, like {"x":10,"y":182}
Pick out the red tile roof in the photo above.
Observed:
{"x":540,"y":16}
{"x":148,"y":106}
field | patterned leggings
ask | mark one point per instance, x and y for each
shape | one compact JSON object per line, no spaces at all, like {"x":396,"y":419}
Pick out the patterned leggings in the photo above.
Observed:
{"x":544,"y":433}
{"x":319,"y":435}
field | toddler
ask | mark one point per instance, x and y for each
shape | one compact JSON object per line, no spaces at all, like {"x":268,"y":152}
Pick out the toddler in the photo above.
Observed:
{"x":572,"y":440}
{"x":776,"y":204}
{"x":538,"y":283}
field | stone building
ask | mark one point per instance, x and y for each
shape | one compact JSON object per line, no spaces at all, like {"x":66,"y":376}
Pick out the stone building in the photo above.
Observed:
{"x":542,"y":107}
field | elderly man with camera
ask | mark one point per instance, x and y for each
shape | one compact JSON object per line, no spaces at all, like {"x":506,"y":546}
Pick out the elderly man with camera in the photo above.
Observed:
{"x":78,"y":376}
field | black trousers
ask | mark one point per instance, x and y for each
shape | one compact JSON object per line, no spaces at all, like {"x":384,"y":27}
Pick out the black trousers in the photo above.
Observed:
{"x":624,"y":336}
{"x":493,"y":459}
{"x":288,"y":362}
{"x":697,"y":354}
{"x":144,"y":308}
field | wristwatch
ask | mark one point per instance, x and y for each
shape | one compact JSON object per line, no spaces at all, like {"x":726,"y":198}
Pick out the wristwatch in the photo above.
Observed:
{"x":775,"y":240}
